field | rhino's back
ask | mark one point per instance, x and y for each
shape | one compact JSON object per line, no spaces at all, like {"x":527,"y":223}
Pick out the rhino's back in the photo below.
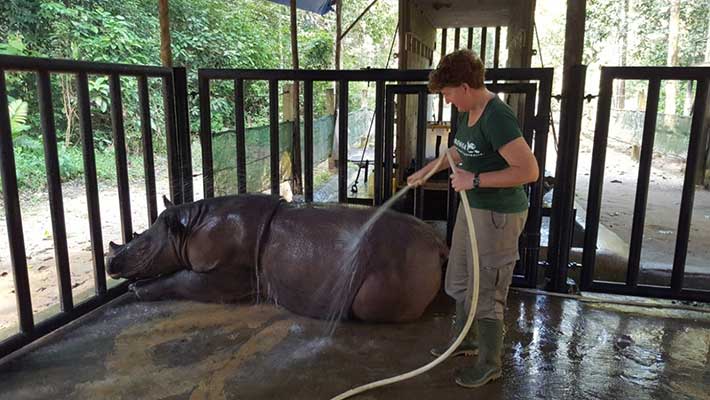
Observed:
{"x":313,"y":257}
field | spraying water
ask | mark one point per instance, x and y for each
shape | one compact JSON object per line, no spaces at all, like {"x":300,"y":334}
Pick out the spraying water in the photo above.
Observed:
{"x":338,"y":286}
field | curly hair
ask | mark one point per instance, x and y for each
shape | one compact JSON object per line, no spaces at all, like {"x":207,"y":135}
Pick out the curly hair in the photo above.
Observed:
{"x":456,"y":68}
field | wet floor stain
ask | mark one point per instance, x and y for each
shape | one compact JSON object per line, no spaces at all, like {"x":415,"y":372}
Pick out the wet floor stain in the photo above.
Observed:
{"x":554,"y":349}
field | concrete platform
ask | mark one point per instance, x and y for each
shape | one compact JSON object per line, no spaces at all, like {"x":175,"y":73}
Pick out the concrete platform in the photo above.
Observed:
{"x":555,"y":348}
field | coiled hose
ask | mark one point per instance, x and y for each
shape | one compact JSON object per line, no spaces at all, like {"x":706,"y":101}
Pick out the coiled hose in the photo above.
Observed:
{"x":471,"y":312}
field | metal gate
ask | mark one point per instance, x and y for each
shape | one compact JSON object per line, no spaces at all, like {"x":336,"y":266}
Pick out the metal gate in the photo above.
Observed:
{"x":174,"y":97}
{"x":654,"y":76}
{"x":536,"y":86}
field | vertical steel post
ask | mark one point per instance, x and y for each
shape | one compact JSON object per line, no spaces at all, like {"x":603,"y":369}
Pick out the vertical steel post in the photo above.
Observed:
{"x":644,"y":173}
{"x":343,"y":142}
{"x":203,"y":85}
{"x":561,"y":220}
{"x":147,"y":141}
{"x":686,"y":204}
{"x":240,"y":128}
{"x":274,"y":136}
{"x":308,"y":138}
{"x":54,"y":187}
{"x":119,"y":144}
{"x":13,"y":216}
{"x":92,"y":190}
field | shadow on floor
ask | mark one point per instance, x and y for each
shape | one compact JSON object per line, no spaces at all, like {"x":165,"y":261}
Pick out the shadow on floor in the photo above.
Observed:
{"x":554,"y":349}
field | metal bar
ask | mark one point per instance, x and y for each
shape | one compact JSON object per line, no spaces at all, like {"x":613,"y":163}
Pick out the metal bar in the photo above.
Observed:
{"x":274,"y":135}
{"x":119,"y":144}
{"x":531,"y":237}
{"x":343,"y":142}
{"x":308,"y":139}
{"x":171,"y":140}
{"x":22,"y":63}
{"x":206,"y":137}
{"x":54,"y":188}
{"x":240,"y":128}
{"x":440,"y":113}
{"x":484,"y":32}
{"x":421,"y":147}
{"x":389,"y":143}
{"x":379,"y":138}
{"x":644,"y":173}
{"x":13,"y":216}
{"x":182,"y":114}
{"x":147,"y":140}
{"x":365,"y":75}
{"x":663,"y":73}
{"x":92,"y":190}
{"x":650,"y":291}
{"x":457,"y":38}
{"x":470,"y":39}
{"x":686,"y":204}
{"x":561,"y":220}
{"x":496,"y":49}
{"x":50,"y":324}
{"x":452,"y":195}
{"x":596,"y":178}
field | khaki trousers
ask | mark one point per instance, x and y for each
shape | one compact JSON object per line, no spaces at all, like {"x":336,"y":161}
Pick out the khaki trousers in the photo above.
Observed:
{"x":497,"y":236}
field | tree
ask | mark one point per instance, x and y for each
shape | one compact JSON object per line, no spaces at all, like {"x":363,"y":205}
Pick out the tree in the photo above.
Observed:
{"x":672,"y":60}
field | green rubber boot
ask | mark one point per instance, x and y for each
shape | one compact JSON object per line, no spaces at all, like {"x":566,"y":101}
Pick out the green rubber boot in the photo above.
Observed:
{"x":489,"y":365}
{"x":469,"y":345}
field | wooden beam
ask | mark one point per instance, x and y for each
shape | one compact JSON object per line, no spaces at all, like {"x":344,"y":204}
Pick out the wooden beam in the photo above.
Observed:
{"x":296,"y":178}
{"x":166,"y":54}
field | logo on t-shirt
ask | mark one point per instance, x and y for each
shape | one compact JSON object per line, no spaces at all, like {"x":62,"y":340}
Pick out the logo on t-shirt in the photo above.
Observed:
{"x":467,"y":148}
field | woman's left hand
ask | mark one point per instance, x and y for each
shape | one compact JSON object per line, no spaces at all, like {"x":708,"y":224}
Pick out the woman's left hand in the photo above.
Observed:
{"x":462,"y":180}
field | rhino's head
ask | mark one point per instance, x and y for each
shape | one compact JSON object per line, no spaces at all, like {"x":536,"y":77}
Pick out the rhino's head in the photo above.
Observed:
{"x":151,"y":253}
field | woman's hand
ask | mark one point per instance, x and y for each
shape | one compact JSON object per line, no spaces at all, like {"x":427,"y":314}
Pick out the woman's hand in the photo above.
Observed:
{"x":417,"y":178}
{"x":462,"y":180}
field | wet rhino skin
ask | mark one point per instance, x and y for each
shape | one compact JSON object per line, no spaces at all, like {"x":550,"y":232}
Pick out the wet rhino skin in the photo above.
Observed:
{"x":305,"y":258}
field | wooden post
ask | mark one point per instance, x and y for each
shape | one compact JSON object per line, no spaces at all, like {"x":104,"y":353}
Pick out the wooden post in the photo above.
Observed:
{"x":561,"y":220}
{"x":166,"y":54}
{"x":330,"y":101}
{"x":297,"y":180}
{"x":287,"y":101}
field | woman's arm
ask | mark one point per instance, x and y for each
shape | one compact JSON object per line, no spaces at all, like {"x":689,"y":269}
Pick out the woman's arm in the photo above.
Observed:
{"x":522,"y":169}
{"x":417,"y":177}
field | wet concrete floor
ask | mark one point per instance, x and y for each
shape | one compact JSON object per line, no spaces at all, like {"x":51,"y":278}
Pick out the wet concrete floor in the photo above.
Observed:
{"x":555,"y":348}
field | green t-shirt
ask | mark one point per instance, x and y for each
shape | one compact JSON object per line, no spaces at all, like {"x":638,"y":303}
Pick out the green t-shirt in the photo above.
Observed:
{"x":478,"y":146}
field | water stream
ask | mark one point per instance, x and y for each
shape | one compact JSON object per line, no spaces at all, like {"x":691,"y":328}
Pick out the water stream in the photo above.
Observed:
{"x":338,"y":286}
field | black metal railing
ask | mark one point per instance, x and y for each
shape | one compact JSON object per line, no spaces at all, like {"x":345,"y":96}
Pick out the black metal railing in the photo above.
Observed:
{"x":654,"y":76}
{"x":174,"y":87}
{"x":534,"y":83}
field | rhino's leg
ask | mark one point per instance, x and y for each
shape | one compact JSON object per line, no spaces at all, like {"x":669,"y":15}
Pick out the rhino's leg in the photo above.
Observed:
{"x":218,"y":286}
{"x":399,"y":292}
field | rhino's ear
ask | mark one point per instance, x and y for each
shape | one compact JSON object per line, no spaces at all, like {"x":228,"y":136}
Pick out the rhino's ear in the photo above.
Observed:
{"x":113,"y":246}
{"x":167,"y":202}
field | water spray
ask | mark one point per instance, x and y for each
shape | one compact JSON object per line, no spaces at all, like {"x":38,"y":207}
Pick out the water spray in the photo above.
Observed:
{"x":474,"y":296}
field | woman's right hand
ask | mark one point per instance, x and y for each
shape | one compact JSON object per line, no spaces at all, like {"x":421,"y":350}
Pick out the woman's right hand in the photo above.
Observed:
{"x":417,"y":178}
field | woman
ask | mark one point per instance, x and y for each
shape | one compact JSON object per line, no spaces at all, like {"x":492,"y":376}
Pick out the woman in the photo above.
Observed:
{"x":494,"y":162}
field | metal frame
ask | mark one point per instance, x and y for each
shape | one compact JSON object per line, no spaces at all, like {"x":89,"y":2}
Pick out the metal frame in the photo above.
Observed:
{"x":174,"y":82}
{"x":654,"y":75}
{"x":342,"y":77}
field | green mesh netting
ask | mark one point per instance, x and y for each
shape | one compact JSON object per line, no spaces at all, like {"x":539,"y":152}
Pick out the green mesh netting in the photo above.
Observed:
{"x":258,"y":150}
{"x":672,"y":131}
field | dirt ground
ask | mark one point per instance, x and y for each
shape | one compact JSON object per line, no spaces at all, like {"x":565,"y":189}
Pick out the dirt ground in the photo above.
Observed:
{"x":39,"y":245}
{"x":663,"y":209}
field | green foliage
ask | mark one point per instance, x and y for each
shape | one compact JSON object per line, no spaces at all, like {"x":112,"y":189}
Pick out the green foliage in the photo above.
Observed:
{"x":205,"y":34}
{"x":18,"y":116}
